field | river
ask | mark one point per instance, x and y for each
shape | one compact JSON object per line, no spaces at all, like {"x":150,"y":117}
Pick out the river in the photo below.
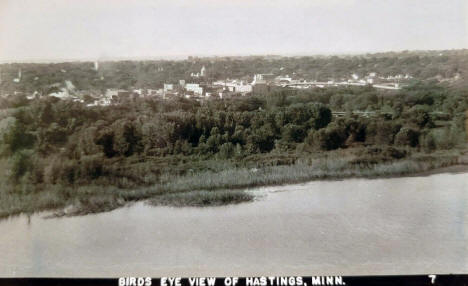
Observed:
{"x":408,"y":225}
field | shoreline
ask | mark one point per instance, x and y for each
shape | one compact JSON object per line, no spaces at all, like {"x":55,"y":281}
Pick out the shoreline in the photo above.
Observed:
{"x":68,"y":211}
{"x":454,"y":169}
{"x":324,"y":218}
{"x":192,"y":195}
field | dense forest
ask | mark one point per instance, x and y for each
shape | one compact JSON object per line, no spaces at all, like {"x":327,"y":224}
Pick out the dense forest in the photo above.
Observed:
{"x":53,"y":141}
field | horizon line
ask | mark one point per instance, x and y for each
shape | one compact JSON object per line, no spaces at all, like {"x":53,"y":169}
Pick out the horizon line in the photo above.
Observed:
{"x":182,"y":57}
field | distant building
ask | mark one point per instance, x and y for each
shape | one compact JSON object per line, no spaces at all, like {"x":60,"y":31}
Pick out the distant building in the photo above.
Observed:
{"x":116,"y":93}
{"x":195,"y":88}
{"x":69,"y":85}
{"x":35,"y":95}
{"x":96,"y":65}
{"x":62,"y":94}
{"x":267,"y":77}
{"x":234,"y":86}
{"x":283,"y":79}
{"x":203,"y":71}
{"x":172,"y":94}
{"x":18,"y":79}
{"x":111,"y":93}
{"x":100,"y":102}
{"x":168,"y":87}
{"x":140,"y":92}
{"x":153,"y":92}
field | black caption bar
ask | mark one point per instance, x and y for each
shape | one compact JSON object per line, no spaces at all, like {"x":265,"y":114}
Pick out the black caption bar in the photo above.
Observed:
{"x":414,"y":280}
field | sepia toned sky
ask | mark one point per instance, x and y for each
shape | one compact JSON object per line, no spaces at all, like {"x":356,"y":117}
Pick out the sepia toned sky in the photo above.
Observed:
{"x":43,"y":30}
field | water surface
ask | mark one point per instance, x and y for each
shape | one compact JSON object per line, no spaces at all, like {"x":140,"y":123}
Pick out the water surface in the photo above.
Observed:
{"x":408,"y":225}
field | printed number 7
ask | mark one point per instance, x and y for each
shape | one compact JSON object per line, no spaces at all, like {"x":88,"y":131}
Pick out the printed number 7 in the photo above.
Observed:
{"x":433,"y":277}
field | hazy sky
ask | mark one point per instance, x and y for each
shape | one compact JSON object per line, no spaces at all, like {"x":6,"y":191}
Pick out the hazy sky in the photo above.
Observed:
{"x":32,"y":30}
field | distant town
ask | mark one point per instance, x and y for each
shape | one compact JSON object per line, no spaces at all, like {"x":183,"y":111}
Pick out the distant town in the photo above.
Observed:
{"x":260,"y":84}
{"x":220,"y":78}
{"x":199,"y":84}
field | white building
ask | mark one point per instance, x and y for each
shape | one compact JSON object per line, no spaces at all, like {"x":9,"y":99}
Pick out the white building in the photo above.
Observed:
{"x":111,"y":93}
{"x":18,"y":79}
{"x":154,"y":92}
{"x":138,"y":91}
{"x":101,"y":102}
{"x":234,"y":86}
{"x":168,"y":87}
{"x":62,"y":94}
{"x":69,"y":85}
{"x":35,"y":95}
{"x":268,"y":77}
{"x":116,"y":93}
{"x":195,"y":88}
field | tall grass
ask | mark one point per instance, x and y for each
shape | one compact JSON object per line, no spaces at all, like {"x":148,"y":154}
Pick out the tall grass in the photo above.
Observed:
{"x":210,"y":187}
{"x":202,"y":198}
{"x":13,"y":203}
{"x":300,"y":172}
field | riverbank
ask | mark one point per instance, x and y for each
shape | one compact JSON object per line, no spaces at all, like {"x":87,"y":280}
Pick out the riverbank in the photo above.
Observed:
{"x":221,"y":187}
{"x":334,"y":226}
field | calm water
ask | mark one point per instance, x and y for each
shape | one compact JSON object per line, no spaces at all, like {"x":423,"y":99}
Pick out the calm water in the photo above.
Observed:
{"x":385,"y":226}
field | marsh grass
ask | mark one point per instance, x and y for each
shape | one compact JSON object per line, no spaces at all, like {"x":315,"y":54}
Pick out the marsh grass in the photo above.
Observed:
{"x":209,"y":187}
{"x":202,"y":198}
{"x":17,"y":203}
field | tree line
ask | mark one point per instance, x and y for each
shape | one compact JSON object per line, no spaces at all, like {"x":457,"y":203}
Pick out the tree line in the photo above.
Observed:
{"x":52,"y":141}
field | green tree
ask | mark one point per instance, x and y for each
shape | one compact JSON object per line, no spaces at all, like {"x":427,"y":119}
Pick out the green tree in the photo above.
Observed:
{"x":407,"y":137}
{"x":18,"y":138}
{"x":106,"y":140}
{"x":21,"y":163}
